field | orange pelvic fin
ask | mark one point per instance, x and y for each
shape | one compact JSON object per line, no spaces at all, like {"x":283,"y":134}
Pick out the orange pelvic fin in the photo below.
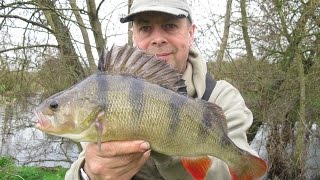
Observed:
{"x":252,"y":169}
{"x":197,"y":167}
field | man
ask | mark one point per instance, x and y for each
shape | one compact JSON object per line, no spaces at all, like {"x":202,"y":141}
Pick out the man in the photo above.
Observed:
{"x":165,"y":28}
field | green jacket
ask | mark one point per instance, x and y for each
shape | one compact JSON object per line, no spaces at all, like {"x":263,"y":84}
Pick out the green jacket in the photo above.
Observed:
{"x":239,"y":119}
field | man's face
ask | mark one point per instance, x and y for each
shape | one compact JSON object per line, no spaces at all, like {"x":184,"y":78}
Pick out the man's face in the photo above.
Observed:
{"x":165,"y":36}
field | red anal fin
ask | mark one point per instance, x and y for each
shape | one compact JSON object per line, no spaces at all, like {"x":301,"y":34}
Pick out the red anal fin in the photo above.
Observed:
{"x":197,"y":167}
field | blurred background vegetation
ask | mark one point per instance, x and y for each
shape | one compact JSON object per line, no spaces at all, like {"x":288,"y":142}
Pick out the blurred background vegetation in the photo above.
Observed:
{"x":269,"y":50}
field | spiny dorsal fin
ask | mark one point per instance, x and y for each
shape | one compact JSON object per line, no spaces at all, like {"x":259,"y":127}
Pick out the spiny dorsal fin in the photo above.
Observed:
{"x":130,"y":61}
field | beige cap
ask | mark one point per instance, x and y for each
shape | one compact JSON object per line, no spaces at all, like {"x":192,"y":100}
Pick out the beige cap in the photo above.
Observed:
{"x":178,"y":8}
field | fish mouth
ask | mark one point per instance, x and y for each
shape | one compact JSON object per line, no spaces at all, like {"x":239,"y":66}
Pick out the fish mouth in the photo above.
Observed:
{"x":42,"y":121}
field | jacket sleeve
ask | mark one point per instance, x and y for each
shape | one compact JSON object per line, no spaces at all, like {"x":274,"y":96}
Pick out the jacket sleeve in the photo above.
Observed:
{"x":73,"y":172}
{"x":239,"y":119}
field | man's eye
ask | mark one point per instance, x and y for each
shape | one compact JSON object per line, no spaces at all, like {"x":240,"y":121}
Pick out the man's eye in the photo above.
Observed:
{"x":145,"y":29}
{"x":170,"y":26}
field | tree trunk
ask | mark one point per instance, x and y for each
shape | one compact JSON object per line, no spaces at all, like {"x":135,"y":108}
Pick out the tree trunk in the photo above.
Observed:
{"x":224,"y":40}
{"x":129,"y":25}
{"x":96,"y":25}
{"x":244,"y":25}
{"x":63,"y":37}
{"x":300,"y":146}
{"x":87,"y":44}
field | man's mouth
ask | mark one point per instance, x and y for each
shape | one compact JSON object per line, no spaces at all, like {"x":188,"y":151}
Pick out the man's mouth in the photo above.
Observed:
{"x":163,"y":56}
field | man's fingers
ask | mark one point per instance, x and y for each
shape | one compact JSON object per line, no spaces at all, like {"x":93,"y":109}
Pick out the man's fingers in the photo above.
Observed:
{"x":125,"y":160}
{"x":134,"y":167}
{"x":118,"y":148}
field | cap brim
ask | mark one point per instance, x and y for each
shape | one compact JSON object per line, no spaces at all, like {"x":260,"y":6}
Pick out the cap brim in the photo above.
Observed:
{"x":173,"y":11}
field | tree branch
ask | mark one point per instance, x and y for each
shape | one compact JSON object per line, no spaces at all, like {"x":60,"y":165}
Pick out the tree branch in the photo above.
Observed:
{"x":27,"y":47}
{"x":27,"y":20}
{"x":99,"y":7}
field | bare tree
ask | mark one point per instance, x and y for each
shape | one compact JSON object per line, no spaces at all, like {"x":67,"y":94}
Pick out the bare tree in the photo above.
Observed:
{"x":225,"y":36}
{"x":244,"y":25}
{"x":129,"y":25}
{"x":41,"y":52}
{"x":87,"y":44}
{"x":96,"y":25}
{"x":290,"y":39}
{"x":63,"y":37}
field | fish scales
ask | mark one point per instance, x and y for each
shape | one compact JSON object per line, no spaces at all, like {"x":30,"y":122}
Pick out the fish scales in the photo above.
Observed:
{"x":152,"y":126}
{"x":136,"y":96}
{"x":136,"y":100}
{"x":136,"y":113}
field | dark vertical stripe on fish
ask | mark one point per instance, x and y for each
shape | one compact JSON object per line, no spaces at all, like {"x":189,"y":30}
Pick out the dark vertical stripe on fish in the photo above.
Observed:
{"x":136,"y":100}
{"x":206,"y":125}
{"x":102,"y":90}
{"x":176,"y":103}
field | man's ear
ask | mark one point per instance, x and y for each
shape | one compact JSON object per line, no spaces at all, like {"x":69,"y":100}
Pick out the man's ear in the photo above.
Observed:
{"x":192,"y":29}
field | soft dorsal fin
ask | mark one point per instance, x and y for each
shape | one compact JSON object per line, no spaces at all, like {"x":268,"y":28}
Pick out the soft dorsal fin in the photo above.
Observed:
{"x":131,"y":61}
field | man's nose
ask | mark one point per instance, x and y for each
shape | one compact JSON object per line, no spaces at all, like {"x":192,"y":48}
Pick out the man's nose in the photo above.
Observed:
{"x":158,"y":37}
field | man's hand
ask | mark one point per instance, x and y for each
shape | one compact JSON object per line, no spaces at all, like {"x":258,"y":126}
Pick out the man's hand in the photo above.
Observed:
{"x":116,"y":159}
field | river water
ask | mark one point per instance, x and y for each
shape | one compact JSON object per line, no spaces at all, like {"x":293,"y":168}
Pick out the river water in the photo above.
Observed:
{"x":29,"y":146}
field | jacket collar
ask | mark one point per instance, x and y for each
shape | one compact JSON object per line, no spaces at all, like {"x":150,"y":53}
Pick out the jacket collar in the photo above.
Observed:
{"x":195,"y":74}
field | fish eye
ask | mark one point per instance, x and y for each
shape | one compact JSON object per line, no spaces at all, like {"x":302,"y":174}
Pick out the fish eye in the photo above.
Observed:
{"x":53,"y":105}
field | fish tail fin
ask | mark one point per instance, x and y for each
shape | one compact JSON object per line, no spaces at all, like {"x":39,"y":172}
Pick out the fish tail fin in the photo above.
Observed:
{"x":253,"y":168}
{"x":197,"y":167}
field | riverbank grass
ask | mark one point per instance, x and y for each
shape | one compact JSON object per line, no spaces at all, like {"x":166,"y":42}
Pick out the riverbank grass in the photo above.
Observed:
{"x":8,"y":170}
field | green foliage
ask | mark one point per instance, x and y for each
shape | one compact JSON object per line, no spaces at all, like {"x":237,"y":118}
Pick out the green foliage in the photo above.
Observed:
{"x":269,"y":92}
{"x":6,"y":161}
{"x":7,"y":82}
{"x":8,"y":170}
{"x":2,"y":88}
{"x":55,"y":76}
{"x":274,"y":97}
{"x":16,"y":85}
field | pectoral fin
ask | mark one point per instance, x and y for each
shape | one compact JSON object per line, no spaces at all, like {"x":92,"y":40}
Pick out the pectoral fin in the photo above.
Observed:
{"x":99,"y":128}
{"x":197,"y":167}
